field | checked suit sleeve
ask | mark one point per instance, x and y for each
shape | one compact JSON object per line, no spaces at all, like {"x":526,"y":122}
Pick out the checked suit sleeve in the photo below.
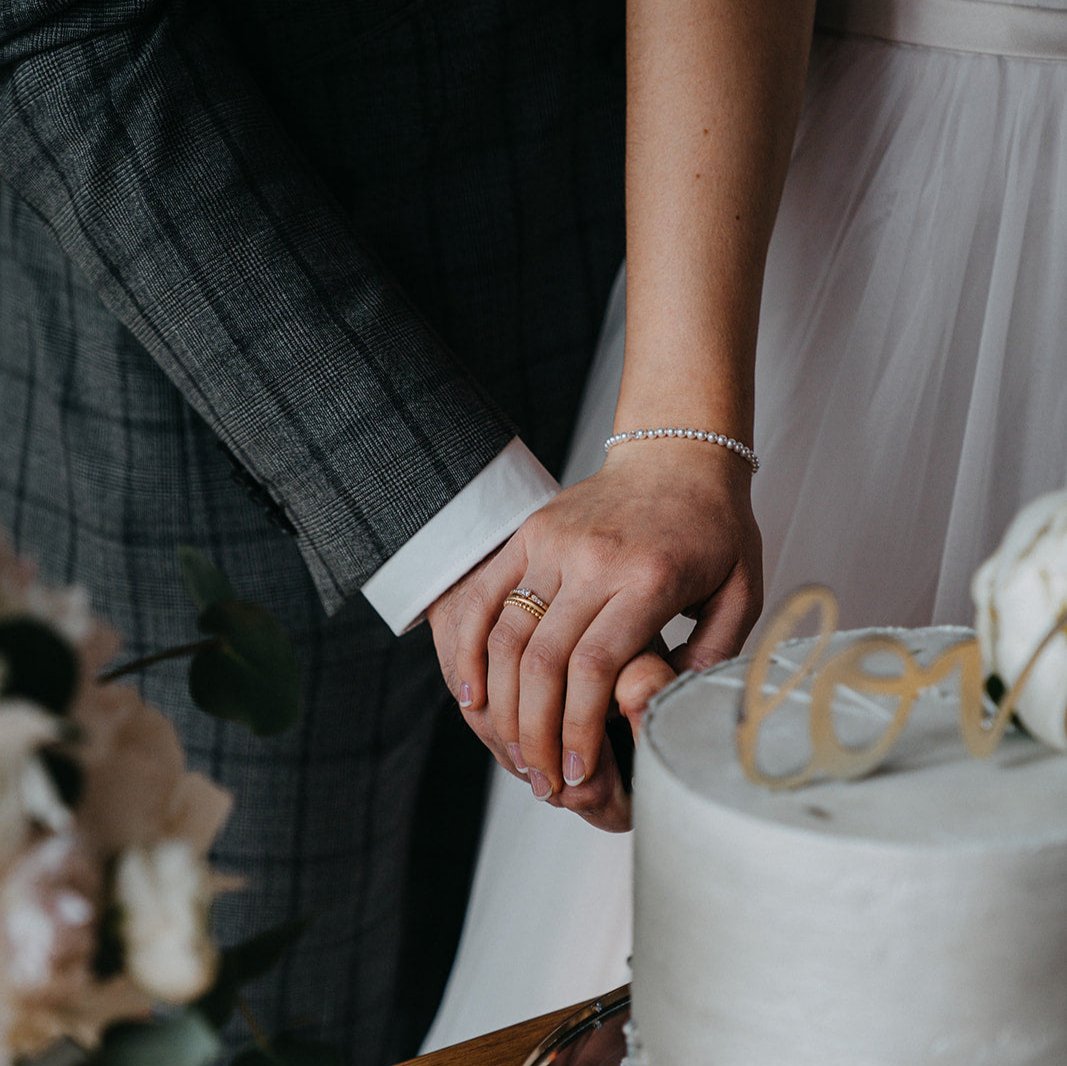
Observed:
{"x":128,"y":126}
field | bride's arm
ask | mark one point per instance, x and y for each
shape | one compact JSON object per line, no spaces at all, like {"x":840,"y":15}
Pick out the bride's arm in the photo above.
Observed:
{"x":714,"y":91}
{"x":666,"y":525}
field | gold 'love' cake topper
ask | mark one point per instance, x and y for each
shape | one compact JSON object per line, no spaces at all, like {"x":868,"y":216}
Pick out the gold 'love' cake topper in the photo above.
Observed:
{"x":982,"y":722}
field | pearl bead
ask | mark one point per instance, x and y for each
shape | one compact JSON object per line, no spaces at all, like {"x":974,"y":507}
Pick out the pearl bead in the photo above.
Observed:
{"x":688,"y":433}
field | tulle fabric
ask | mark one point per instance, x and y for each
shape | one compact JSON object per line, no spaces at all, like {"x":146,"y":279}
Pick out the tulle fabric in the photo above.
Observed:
{"x":911,"y":397}
{"x":912,"y":369}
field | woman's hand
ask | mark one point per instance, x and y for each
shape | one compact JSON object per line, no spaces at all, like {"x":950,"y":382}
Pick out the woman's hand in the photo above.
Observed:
{"x":666,"y":526}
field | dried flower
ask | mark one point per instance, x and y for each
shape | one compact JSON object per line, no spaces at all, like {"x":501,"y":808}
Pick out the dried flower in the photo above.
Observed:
{"x":165,"y":893}
{"x":26,"y":795}
{"x":139,"y":811}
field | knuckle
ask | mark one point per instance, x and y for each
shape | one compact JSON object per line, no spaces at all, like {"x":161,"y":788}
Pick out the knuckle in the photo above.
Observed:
{"x":476,"y":599}
{"x":534,"y":748}
{"x":593,"y":661}
{"x":502,"y":723}
{"x":503,"y":733}
{"x":468,"y":652}
{"x":583,"y":721}
{"x":659,"y":568}
{"x":541,"y":660}
{"x":505,"y":642}
{"x":583,"y":736}
{"x":529,"y":740}
{"x":535,"y":526}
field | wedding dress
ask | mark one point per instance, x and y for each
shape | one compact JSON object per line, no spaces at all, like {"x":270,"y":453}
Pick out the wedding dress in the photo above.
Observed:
{"x":911,"y":391}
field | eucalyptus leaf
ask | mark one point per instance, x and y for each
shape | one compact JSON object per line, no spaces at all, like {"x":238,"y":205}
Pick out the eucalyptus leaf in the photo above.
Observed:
{"x":39,"y":665}
{"x":243,"y":963}
{"x":185,"y":1039}
{"x":206,"y":583}
{"x":250,"y":674}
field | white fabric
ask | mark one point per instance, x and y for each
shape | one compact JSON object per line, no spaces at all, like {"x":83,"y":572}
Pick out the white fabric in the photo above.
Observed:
{"x":911,"y":379}
{"x":480,"y":518}
{"x":1008,"y":29}
{"x":911,"y":397}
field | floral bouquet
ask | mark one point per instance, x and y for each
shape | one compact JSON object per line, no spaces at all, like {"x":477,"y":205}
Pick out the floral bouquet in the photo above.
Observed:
{"x":105,"y":886}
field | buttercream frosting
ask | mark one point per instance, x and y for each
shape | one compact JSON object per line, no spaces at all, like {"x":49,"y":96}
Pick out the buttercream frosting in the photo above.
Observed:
{"x":916,"y":917}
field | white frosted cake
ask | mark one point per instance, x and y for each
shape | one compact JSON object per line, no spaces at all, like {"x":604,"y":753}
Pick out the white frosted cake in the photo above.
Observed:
{"x":913,"y":918}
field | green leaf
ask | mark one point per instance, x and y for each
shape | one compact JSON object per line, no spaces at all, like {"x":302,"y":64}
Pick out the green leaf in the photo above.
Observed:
{"x":206,"y":583}
{"x":290,"y":1051}
{"x":243,"y":963}
{"x":39,"y":665}
{"x":251,"y":674}
{"x":184,"y":1039}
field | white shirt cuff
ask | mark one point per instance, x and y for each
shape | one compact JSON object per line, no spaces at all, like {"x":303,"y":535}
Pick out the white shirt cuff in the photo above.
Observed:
{"x":484,"y":514}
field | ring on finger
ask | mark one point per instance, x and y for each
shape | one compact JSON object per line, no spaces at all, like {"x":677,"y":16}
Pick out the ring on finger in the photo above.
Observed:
{"x":528,"y":601}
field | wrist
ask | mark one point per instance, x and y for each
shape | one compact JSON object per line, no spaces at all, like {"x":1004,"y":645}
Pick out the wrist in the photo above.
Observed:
{"x":690,"y":465}
{"x":687,"y":384}
{"x":677,"y":433}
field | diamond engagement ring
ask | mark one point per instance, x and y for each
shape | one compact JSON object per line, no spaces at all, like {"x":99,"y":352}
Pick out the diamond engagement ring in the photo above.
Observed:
{"x":529,"y":594}
{"x":528,"y":600}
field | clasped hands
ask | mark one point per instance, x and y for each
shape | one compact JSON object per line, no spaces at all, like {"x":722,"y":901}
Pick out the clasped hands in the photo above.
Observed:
{"x":665,"y":527}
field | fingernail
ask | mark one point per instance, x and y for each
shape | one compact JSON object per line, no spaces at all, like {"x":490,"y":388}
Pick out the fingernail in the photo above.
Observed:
{"x":542,"y":787}
{"x":466,"y":695}
{"x":573,"y":769}
{"x":516,"y":757}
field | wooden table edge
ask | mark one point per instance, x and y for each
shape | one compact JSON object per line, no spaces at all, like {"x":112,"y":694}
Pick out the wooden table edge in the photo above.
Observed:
{"x":505,"y":1047}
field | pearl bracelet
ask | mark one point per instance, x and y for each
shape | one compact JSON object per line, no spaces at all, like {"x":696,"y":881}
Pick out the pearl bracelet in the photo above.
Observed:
{"x":743,"y":450}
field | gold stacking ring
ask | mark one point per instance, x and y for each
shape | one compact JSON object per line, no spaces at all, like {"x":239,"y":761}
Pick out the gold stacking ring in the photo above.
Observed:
{"x":528,"y":600}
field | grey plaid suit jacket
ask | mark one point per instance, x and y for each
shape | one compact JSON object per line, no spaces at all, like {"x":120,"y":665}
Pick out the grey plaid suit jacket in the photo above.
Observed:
{"x":347,"y":249}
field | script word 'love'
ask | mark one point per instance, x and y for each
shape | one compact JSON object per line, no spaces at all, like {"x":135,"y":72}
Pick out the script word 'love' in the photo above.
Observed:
{"x":982,"y":730}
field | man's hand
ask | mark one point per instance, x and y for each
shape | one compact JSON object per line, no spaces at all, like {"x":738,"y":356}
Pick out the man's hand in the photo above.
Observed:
{"x":664,"y":527}
{"x":601,"y":799}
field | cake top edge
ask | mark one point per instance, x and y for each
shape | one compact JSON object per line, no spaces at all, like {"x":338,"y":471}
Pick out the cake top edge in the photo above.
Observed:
{"x":929,"y":792}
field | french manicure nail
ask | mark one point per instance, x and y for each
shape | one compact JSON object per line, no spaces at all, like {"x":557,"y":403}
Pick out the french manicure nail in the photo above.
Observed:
{"x":573,"y":769}
{"x":542,"y":787}
{"x":466,"y":695}
{"x":516,"y":757}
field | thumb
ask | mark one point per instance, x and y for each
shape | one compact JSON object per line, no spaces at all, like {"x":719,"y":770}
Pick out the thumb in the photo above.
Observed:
{"x":641,"y":678}
{"x":721,"y":629}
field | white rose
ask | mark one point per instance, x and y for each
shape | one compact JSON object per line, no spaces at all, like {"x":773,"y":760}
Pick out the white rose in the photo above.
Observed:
{"x":165,"y":893}
{"x":1019,"y":592}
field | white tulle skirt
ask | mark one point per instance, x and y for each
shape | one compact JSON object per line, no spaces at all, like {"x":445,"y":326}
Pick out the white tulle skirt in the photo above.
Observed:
{"x":912,"y":369}
{"x":911,"y":397}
